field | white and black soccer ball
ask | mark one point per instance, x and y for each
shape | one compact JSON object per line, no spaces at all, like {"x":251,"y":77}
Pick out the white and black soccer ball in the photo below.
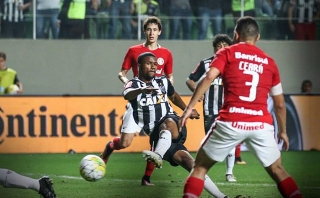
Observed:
{"x":92,"y":168}
{"x":12,"y":89}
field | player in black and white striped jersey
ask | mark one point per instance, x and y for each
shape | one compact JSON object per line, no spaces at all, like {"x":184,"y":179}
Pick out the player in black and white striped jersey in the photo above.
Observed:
{"x":213,"y":97}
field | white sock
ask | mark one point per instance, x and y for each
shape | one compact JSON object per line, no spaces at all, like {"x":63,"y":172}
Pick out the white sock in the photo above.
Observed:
{"x":164,"y":142}
{"x":211,"y":188}
{"x":230,"y":161}
{"x":11,"y":179}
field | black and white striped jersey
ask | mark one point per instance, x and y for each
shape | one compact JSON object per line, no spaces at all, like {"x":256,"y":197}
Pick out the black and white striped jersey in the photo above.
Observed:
{"x":213,"y":97}
{"x":11,"y":11}
{"x":148,"y":109}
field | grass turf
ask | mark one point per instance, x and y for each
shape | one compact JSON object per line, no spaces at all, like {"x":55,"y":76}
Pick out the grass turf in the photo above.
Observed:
{"x":124,"y":172}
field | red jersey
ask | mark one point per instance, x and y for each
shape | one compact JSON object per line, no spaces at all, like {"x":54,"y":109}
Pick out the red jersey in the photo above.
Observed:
{"x":248,"y":75}
{"x":164,"y":59}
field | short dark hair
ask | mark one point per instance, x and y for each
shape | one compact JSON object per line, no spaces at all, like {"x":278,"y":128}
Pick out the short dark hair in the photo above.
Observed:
{"x":143,"y":55}
{"x":152,"y":19}
{"x":3,"y":55}
{"x":247,"y":27}
{"x":221,"y":38}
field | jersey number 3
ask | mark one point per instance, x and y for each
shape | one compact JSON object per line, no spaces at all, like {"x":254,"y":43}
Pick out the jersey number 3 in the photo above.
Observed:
{"x":253,"y":86}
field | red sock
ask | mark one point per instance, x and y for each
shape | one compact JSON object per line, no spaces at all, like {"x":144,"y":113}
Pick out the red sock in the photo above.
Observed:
{"x":116,"y":143}
{"x":149,"y":168}
{"x":193,"y":187}
{"x":289,"y":189}
{"x":238,"y":150}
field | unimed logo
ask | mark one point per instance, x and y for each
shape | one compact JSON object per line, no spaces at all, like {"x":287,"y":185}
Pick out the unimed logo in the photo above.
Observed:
{"x":39,"y":123}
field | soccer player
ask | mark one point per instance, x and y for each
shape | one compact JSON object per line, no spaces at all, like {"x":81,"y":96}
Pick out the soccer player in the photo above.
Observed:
{"x":152,"y":27}
{"x":11,"y":179}
{"x":249,"y":75}
{"x":152,"y":111}
{"x":213,"y":97}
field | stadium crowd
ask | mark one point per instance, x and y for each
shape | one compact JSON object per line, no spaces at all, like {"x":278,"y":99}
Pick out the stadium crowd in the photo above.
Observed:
{"x":183,"y":19}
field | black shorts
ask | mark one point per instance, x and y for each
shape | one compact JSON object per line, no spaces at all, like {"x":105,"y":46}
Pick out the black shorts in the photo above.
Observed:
{"x":176,"y":145}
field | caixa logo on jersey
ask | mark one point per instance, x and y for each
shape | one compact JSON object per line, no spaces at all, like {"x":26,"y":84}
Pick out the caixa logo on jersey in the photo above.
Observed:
{"x":38,"y":123}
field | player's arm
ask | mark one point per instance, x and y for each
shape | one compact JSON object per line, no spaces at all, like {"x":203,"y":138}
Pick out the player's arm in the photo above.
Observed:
{"x":122,"y":75}
{"x":168,"y":68}
{"x":203,"y":85}
{"x":130,"y":92}
{"x":280,"y":113}
{"x":177,"y":101}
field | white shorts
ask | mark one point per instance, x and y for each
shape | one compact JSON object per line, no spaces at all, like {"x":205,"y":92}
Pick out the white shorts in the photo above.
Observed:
{"x":128,"y":123}
{"x":258,"y":136}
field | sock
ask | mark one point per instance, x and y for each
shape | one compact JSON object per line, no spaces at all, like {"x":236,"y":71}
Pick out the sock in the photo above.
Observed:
{"x":11,"y":179}
{"x":164,"y":143}
{"x":211,"y":187}
{"x":193,"y":187}
{"x":116,"y":144}
{"x":289,"y":189}
{"x":230,"y":159}
{"x":149,"y":170}
{"x":238,"y":151}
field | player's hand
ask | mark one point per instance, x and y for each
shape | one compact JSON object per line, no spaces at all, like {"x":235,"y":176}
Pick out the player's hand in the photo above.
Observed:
{"x":194,"y":114}
{"x":148,"y":90}
{"x":283,"y":136}
{"x":184,"y":117}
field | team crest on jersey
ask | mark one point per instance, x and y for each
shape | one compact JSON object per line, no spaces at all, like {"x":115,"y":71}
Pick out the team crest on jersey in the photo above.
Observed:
{"x":160,"y":61}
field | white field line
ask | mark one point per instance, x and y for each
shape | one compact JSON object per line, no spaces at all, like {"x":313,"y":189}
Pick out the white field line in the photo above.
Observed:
{"x":169,"y":181}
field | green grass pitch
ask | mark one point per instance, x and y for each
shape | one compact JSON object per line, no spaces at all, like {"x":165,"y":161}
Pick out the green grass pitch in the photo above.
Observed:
{"x":124,"y":172}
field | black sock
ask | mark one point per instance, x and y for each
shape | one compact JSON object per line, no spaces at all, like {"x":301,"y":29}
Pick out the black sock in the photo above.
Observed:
{"x":147,"y":178}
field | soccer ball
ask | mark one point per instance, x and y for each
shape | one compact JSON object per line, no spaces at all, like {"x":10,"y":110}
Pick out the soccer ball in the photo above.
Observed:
{"x":12,"y":89}
{"x":92,"y":168}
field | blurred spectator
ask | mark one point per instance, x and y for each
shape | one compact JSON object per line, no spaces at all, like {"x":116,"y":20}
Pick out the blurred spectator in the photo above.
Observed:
{"x":301,"y":18}
{"x":13,"y":19}
{"x":120,"y":10}
{"x":180,"y":19}
{"x":282,"y":22}
{"x":306,"y":87}
{"x":71,"y":19}
{"x":147,"y":8}
{"x":47,"y":12}
{"x":249,"y":8}
{"x":209,"y":11}
{"x":92,"y":7}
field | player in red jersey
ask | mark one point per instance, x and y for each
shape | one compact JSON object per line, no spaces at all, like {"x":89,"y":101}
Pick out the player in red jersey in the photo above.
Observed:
{"x":249,"y":75}
{"x":152,"y":29}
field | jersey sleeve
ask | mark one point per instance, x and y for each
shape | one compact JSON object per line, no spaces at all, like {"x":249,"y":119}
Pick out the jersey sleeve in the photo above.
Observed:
{"x":198,"y":72}
{"x":168,"y":69}
{"x":276,"y":76}
{"x":220,"y":60}
{"x":127,"y":62}
{"x":130,"y":86}
{"x":170,"y":88}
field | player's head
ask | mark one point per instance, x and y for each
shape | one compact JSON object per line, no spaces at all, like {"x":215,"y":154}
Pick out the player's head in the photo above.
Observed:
{"x":147,"y":63}
{"x":246,"y":29}
{"x":221,"y":41}
{"x":306,"y":86}
{"x":152,"y":29}
{"x":3,"y":58}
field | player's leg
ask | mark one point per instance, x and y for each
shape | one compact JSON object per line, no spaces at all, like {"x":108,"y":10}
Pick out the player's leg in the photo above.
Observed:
{"x":238,"y":159}
{"x":230,"y":164}
{"x":145,"y":181}
{"x":166,"y":131}
{"x":128,"y":130}
{"x":215,"y":147}
{"x":11,"y":179}
{"x":183,"y":158}
{"x":265,"y":148}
